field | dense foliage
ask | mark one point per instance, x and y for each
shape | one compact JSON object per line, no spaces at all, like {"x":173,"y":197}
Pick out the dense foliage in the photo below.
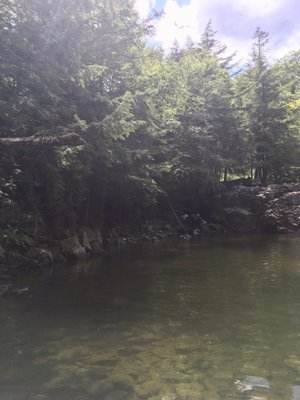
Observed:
{"x":160,"y":131}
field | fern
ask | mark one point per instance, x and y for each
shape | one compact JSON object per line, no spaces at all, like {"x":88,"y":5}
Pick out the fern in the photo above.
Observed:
{"x":13,"y":237}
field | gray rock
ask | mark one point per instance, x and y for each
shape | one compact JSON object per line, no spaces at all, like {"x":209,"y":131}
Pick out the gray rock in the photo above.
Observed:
{"x":290,"y":199}
{"x":275,"y":208}
{"x":240,"y":220}
{"x":210,"y":394}
{"x":186,"y":236}
{"x":97,"y":388}
{"x":147,"y":389}
{"x":296,"y":392}
{"x":250,"y":383}
{"x":40,"y":397}
{"x":20,"y":291}
{"x":72,"y":248}
{"x":197,"y":232}
{"x":41,"y":255}
{"x":161,"y":235}
{"x":118,"y":395}
{"x":147,"y":238}
{"x":216,"y":227}
{"x":4,"y":289}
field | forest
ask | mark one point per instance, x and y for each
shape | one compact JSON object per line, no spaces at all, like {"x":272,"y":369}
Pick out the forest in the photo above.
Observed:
{"x":99,"y":129}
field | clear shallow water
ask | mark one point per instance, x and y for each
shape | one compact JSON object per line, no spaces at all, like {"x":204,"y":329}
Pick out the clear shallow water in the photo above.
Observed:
{"x":216,"y":318}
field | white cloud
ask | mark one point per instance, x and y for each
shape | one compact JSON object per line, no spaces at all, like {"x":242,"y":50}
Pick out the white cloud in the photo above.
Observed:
{"x":258,"y":8}
{"x":292,"y":43}
{"x":235,"y":22}
{"x":144,"y":6}
{"x":177,"y":23}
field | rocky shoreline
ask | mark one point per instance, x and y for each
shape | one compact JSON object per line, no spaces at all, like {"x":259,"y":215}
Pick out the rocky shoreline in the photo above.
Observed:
{"x":240,"y":209}
{"x":270,"y":209}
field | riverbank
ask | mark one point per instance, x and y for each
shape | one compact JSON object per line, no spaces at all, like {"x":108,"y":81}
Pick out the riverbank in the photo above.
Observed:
{"x":238,"y":209}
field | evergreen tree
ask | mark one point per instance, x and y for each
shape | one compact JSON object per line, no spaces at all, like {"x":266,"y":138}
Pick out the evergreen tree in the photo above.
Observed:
{"x":210,"y":43}
{"x":265,"y":113}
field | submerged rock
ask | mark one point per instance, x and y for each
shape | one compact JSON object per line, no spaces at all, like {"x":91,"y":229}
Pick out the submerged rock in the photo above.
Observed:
{"x":296,"y":392}
{"x":40,"y":397}
{"x":191,"y":391}
{"x":97,"y":388}
{"x":211,"y":394}
{"x":250,"y":383}
{"x":118,"y":395}
{"x":293,"y":363}
{"x":147,"y":389}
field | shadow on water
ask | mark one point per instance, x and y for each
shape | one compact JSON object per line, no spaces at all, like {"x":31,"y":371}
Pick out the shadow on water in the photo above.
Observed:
{"x":216,"y":318}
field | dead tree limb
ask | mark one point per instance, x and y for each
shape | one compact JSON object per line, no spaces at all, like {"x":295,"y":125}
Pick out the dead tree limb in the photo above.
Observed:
{"x":69,"y":139}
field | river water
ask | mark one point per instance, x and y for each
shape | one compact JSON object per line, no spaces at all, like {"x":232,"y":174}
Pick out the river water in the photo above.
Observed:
{"x":212,"y":319}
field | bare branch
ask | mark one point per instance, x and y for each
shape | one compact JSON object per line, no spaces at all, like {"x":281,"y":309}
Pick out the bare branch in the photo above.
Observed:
{"x":70,"y":139}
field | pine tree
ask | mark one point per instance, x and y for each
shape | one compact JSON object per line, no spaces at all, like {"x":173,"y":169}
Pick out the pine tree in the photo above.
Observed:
{"x":213,"y":46}
{"x":264,"y":111}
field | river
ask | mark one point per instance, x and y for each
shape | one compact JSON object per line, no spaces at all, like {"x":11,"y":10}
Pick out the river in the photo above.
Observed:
{"x":211,"y":319}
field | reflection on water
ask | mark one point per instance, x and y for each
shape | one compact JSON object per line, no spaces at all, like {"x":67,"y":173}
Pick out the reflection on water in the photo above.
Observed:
{"x":212,"y":319}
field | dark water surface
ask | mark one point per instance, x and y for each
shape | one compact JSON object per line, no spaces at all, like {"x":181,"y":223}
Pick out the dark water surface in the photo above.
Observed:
{"x":216,"y":318}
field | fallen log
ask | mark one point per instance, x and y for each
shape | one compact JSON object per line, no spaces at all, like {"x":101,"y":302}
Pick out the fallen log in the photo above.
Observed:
{"x":69,"y":139}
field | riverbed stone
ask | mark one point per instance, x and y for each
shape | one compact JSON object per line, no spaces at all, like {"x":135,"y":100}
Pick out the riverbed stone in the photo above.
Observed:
{"x":157,"y":328}
{"x":223,"y":375}
{"x":118,"y":395}
{"x":148,"y":358}
{"x":97,"y":388}
{"x":210,"y":394}
{"x":163,"y":352}
{"x":108,"y":358}
{"x":293,"y":362}
{"x":40,"y":397}
{"x":147,"y":389}
{"x":189,"y":391}
{"x":121,"y":377}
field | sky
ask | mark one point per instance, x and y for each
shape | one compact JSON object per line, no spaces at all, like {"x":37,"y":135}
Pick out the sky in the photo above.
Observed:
{"x":235,"y":22}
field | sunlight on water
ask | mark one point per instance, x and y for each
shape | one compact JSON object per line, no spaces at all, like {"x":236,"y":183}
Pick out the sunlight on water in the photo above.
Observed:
{"x":216,"y":318}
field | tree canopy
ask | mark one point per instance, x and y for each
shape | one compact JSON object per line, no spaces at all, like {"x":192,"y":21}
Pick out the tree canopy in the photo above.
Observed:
{"x":151,"y":129}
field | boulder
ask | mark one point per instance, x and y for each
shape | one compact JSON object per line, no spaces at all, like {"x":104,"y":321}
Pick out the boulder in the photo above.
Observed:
{"x":41,"y":255}
{"x":273,"y":209}
{"x":250,"y":383}
{"x":283,"y":213}
{"x":92,"y":240}
{"x":72,"y":248}
{"x":245,"y":197}
{"x":218,"y":228}
{"x":240,"y":220}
